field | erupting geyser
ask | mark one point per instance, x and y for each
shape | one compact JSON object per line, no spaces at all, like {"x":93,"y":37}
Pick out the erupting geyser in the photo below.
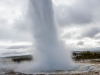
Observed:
{"x":50,"y":53}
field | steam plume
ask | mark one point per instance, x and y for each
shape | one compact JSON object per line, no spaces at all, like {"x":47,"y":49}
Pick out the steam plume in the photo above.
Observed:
{"x":50,"y":54}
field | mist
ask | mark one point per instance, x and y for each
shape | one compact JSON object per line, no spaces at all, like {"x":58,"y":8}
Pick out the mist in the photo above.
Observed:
{"x":50,"y":53}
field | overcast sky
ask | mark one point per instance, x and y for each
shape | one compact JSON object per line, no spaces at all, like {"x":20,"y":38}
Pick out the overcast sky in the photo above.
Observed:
{"x":78,"y":22}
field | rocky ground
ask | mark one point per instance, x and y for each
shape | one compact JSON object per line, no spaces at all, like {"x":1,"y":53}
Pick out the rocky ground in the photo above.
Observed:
{"x":87,"y":73}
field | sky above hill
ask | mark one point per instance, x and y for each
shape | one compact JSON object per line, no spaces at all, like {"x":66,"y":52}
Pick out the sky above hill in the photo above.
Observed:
{"x":77,"y":20}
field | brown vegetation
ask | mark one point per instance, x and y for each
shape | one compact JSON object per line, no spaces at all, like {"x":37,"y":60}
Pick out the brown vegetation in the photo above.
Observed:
{"x":86,"y":55}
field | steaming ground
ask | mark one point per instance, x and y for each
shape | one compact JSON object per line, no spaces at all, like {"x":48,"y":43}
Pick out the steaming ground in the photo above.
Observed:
{"x":7,"y":67}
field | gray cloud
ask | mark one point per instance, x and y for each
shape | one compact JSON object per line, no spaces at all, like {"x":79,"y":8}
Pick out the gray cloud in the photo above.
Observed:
{"x":68,"y":35}
{"x":18,"y":47}
{"x":91,"y":32}
{"x":80,"y":43}
{"x":12,"y":21}
{"x":13,"y":35}
{"x":97,"y":36}
{"x":80,"y":13}
{"x":12,"y":52}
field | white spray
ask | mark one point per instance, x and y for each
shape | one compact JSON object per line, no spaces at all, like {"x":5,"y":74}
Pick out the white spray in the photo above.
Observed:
{"x":50,"y":53}
{"x":46,"y":37}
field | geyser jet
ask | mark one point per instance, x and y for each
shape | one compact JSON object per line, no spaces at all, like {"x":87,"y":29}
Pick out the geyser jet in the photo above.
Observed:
{"x":52,"y":53}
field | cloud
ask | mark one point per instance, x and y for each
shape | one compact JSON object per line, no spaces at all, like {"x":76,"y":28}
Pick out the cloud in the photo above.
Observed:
{"x":82,"y":12}
{"x":80,"y":43}
{"x":91,"y":33}
{"x":12,"y":21}
{"x":12,"y":52}
{"x":13,"y":35}
{"x":18,"y":47}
